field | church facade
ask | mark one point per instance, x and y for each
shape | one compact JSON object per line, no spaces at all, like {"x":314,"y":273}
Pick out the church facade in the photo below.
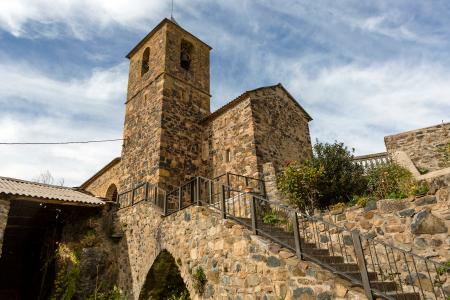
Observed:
{"x":171,"y":135}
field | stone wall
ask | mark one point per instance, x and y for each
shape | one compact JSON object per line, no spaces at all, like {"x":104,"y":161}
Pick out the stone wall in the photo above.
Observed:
{"x":281,"y":128}
{"x":237,"y":264}
{"x":4,"y":211}
{"x":100,"y":185}
{"x":164,"y":107}
{"x":424,"y":146}
{"x":142,"y":134}
{"x":420,"y":226}
{"x":181,"y":134}
{"x":231,"y":131}
{"x":88,"y":235}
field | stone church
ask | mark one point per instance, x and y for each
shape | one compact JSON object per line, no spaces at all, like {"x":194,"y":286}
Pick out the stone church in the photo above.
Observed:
{"x":170,"y":133}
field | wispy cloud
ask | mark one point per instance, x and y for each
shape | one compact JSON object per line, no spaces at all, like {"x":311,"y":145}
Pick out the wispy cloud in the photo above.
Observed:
{"x":83,"y":18}
{"x":363,"y":69}
{"x":38,"y":108}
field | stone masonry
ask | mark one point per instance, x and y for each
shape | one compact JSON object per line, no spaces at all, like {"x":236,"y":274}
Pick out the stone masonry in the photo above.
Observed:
{"x":4,"y":210}
{"x":170,"y":136}
{"x":237,"y":264}
{"x":424,"y":146}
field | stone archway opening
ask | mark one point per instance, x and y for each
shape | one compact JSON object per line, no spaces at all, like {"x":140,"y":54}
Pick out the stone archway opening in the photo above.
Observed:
{"x":111,"y":193}
{"x":164,"y":280}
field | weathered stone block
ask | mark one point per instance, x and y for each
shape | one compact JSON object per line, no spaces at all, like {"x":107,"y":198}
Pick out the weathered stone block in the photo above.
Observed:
{"x":303,"y":293}
{"x":390,"y":206}
{"x":424,"y":222}
{"x":426,"y":200}
{"x":409,"y":212}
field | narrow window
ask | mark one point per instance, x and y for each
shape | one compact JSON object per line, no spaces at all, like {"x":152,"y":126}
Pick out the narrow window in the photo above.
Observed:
{"x":186,"y":55}
{"x":145,"y":61}
{"x":227,"y":155}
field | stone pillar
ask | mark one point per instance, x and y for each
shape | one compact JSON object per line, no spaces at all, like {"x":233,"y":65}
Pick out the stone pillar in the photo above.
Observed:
{"x":4,"y":210}
{"x":270,"y":179}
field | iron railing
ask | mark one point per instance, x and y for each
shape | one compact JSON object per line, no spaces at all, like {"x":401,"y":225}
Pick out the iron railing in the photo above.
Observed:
{"x":383,"y":270}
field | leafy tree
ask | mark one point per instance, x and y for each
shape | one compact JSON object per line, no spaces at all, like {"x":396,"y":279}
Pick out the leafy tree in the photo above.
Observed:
{"x":342,"y":178}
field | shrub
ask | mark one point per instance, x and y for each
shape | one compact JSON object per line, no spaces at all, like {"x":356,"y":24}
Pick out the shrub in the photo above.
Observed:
{"x":390,"y":181}
{"x":300,"y":184}
{"x":337,"y":206}
{"x":342,"y":178}
{"x":270,"y":218}
{"x":360,"y":200}
{"x":419,"y":189}
{"x":199,"y":280}
{"x":112,"y":294}
{"x":69,"y":270}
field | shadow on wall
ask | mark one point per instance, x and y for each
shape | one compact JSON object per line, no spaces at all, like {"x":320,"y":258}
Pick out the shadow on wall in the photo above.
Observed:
{"x":164,"y":280}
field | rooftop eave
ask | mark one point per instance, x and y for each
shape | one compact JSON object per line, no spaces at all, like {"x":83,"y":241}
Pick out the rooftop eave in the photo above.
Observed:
{"x":151,"y":33}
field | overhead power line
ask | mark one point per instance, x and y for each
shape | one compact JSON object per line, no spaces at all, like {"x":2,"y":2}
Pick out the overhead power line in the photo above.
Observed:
{"x":60,"y":143}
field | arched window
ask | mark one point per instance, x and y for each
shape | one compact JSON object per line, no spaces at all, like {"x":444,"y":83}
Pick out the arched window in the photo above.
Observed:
{"x":145,"y":61}
{"x":186,"y":55}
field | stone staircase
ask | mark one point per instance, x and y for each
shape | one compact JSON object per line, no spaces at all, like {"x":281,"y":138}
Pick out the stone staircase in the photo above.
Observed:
{"x":199,"y":191}
{"x":324,"y":258}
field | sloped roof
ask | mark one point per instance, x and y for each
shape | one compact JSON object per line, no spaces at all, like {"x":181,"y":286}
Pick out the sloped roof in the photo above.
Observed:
{"x":100,"y":172}
{"x":151,"y":33}
{"x":28,"y":189}
{"x":245,"y":95}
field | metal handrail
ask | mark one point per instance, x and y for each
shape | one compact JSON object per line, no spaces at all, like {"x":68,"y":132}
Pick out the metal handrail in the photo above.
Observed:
{"x":295,"y":230}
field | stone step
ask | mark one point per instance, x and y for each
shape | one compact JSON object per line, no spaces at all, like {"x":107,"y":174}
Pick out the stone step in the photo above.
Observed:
{"x":344,"y":267}
{"x":329,"y":259}
{"x":401,"y":296}
{"x":384,"y":286}
{"x":315,"y":251}
{"x":357,"y":275}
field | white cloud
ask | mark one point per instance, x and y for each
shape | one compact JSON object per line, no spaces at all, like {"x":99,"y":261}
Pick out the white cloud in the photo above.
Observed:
{"x":40,"y":108}
{"x":81,"y":18}
{"x":359,"y":105}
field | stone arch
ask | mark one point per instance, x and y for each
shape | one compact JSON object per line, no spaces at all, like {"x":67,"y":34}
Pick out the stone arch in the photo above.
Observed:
{"x":112,"y":193}
{"x":164,"y":279}
{"x":186,"y":52}
{"x":145,"y":67}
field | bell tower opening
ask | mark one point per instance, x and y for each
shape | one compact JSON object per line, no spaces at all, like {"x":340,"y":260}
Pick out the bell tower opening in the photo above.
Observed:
{"x":185,"y":55}
{"x":145,"y":61}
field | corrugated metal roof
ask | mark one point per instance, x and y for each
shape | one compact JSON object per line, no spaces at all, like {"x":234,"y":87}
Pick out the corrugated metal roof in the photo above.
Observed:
{"x":18,"y":187}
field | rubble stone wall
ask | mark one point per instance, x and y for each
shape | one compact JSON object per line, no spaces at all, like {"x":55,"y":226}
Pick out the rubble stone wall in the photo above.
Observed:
{"x":237,"y":264}
{"x":231,"y":131}
{"x":100,"y":185}
{"x":424,"y":146}
{"x":4,"y":211}
{"x":281,"y":128}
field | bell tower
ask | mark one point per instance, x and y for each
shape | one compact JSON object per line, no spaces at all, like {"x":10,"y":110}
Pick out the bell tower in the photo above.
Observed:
{"x":168,"y":95}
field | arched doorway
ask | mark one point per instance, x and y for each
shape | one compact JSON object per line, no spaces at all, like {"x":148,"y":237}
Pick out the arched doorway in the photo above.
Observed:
{"x":164,"y":280}
{"x":111,"y":193}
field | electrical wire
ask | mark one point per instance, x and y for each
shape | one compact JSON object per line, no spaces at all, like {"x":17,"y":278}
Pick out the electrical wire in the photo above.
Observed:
{"x":60,"y":143}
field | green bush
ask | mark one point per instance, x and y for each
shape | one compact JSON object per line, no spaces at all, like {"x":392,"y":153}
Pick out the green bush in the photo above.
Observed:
{"x":420,"y":189}
{"x":270,"y":218}
{"x":390,"y":181}
{"x":199,"y":280}
{"x":342,"y":178}
{"x":300,"y":184}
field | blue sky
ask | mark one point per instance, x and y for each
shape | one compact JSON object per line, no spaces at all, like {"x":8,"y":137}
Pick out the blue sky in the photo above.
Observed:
{"x":362,"y":69}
